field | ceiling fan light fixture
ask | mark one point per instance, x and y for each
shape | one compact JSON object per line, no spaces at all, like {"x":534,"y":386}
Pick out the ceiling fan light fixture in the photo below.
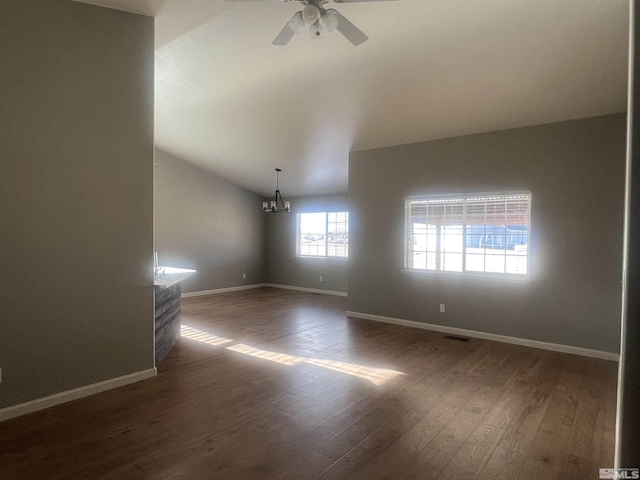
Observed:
{"x":329,"y":21}
{"x":296,"y":23}
{"x":316,"y":29}
{"x":310,"y":14}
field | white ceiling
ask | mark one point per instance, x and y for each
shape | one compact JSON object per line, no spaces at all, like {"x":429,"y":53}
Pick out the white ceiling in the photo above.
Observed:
{"x":229,"y":101}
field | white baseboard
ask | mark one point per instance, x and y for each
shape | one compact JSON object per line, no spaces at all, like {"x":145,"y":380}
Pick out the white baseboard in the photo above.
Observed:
{"x":224,"y":290}
{"x":585,"y":352}
{"x":76,"y":393}
{"x":305,"y":289}
{"x":263,"y":285}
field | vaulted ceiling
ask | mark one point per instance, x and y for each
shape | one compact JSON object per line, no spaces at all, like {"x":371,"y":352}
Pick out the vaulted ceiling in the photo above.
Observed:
{"x":229,"y":101}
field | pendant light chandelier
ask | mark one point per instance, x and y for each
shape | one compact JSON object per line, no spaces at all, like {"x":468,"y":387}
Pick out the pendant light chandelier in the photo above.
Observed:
{"x":272,"y":206}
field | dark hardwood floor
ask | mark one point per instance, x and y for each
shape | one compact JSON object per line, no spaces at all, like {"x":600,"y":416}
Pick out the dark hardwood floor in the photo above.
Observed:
{"x":276,"y":384}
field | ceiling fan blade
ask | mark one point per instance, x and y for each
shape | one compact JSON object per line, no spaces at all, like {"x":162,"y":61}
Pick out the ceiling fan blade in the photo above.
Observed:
{"x":284,"y":36}
{"x":270,"y":1}
{"x":349,"y":30}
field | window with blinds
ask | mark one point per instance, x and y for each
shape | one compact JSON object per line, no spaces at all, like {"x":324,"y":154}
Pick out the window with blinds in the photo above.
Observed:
{"x":323,"y":234}
{"x":481,"y":232}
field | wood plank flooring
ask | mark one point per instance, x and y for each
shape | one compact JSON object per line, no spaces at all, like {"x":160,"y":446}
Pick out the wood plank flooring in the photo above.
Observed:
{"x":276,"y":384}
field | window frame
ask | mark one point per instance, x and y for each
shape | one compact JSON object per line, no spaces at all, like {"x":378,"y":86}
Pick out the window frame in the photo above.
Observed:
{"x":326,"y":223}
{"x":523,"y":277}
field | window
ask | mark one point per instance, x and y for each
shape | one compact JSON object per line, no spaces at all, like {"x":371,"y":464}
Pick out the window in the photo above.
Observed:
{"x":484,"y":232}
{"x":324,"y":234}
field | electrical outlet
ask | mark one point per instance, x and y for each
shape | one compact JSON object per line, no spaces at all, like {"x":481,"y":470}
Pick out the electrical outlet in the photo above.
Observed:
{"x":320,"y":277}
{"x":442,"y":308}
{"x":244,"y":275}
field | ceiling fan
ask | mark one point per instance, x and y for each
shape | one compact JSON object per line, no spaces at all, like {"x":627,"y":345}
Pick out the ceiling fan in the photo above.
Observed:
{"x":319,"y":19}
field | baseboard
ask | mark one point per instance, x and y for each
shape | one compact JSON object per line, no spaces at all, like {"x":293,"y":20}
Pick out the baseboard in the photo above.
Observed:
{"x":585,"y":352}
{"x":224,"y":290}
{"x":305,"y":289}
{"x":75,"y":394}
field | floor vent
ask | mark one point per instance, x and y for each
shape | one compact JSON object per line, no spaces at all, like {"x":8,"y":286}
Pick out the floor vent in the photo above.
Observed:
{"x":458,"y":339}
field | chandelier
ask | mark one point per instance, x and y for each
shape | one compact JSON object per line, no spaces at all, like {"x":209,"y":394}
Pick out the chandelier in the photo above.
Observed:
{"x":272,"y":206}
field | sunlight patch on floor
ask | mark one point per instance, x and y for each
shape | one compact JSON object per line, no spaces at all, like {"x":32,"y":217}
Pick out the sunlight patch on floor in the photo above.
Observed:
{"x":281,"y":358}
{"x":377,"y":376}
{"x":194,"y":334}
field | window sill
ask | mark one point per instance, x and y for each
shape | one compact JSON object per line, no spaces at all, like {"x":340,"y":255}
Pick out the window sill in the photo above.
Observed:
{"x":322,"y":256}
{"x":493,"y":277}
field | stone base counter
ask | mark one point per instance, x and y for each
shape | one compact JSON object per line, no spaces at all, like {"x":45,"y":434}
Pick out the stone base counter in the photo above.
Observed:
{"x":168,"y":309}
{"x":168,"y":292}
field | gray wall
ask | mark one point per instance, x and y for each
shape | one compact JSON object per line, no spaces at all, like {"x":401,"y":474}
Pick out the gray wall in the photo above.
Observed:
{"x":575,"y":171}
{"x":76,"y":196}
{"x":208,"y":224}
{"x":285,"y":267}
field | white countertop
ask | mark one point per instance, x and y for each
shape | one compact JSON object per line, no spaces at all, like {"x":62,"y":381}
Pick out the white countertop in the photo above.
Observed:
{"x":173,"y":276}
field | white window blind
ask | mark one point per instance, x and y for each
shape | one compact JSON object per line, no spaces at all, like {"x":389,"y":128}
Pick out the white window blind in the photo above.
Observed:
{"x":323,"y":234}
{"x":482,"y":232}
